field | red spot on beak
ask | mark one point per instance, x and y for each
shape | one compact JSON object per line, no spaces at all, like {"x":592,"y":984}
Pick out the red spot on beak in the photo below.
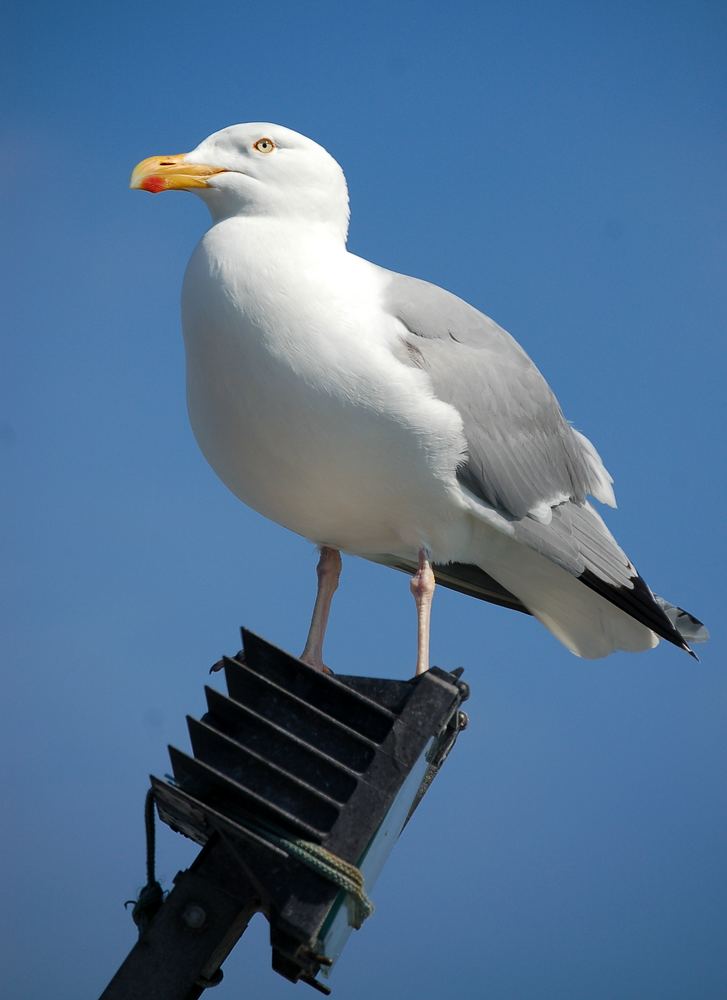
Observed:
{"x":155,"y":184}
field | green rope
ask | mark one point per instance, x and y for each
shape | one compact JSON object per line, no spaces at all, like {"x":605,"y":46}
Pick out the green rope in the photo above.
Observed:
{"x":342,"y":873}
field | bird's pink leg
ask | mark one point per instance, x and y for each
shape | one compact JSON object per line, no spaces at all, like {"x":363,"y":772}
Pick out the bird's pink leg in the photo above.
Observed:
{"x":328,"y":570}
{"x":422,"y":587}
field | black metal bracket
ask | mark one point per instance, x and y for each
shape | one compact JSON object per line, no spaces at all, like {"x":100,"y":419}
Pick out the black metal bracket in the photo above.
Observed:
{"x":339,"y":762}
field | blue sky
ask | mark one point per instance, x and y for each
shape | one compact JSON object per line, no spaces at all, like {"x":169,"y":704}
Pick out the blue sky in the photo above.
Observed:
{"x":557,"y":165}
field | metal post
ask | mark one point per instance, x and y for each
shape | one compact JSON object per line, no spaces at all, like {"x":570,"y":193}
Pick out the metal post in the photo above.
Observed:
{"x":201,"y":920}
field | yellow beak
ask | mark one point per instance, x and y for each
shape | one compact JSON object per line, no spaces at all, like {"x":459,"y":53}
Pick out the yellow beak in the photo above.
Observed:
{"x":171,"y":173}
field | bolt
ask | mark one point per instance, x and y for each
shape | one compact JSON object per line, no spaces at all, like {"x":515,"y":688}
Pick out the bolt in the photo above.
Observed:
{"x":321,"y":959}
{"x":464,"y":690}
{"x":194,"y":916}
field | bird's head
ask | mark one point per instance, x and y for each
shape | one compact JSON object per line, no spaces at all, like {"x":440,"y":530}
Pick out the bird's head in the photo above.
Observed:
{"x":257,"y":169}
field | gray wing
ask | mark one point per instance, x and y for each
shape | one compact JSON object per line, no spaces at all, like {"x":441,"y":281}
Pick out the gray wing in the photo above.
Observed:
{"x":522,"y":455}
{"x":523,"y":458}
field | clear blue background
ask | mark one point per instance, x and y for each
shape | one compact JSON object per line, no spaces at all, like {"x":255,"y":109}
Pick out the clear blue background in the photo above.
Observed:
{"x":558,"y":165}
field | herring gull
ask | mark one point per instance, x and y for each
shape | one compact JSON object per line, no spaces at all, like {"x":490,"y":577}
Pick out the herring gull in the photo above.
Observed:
{"x":380,"y":415}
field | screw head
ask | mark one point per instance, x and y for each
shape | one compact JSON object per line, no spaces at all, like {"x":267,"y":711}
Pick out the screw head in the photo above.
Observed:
{"x":194,"y":916}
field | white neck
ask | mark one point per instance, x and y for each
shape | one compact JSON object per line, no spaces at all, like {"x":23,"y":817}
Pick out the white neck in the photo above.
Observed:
{"x":330,"y":219}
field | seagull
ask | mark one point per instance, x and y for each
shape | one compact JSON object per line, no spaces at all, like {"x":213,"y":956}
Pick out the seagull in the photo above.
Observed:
{"x":379,"y":415}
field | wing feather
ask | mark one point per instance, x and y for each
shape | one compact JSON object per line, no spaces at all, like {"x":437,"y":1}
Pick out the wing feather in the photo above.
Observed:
{"x":522,"y":455}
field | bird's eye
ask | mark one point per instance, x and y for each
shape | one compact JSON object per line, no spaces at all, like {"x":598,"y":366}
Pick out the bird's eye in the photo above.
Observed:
{"x":264,"y":145}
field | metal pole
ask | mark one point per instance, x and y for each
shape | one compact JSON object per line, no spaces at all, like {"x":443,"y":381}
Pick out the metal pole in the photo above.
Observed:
{"x":197,"y":926}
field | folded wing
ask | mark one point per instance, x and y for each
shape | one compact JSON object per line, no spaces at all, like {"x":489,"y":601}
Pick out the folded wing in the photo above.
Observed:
{"x":523,"y":457}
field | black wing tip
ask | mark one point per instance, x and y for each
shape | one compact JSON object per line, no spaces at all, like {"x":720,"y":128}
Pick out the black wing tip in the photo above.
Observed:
{"x":639,"y":602}
{"x":688,"y":649}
